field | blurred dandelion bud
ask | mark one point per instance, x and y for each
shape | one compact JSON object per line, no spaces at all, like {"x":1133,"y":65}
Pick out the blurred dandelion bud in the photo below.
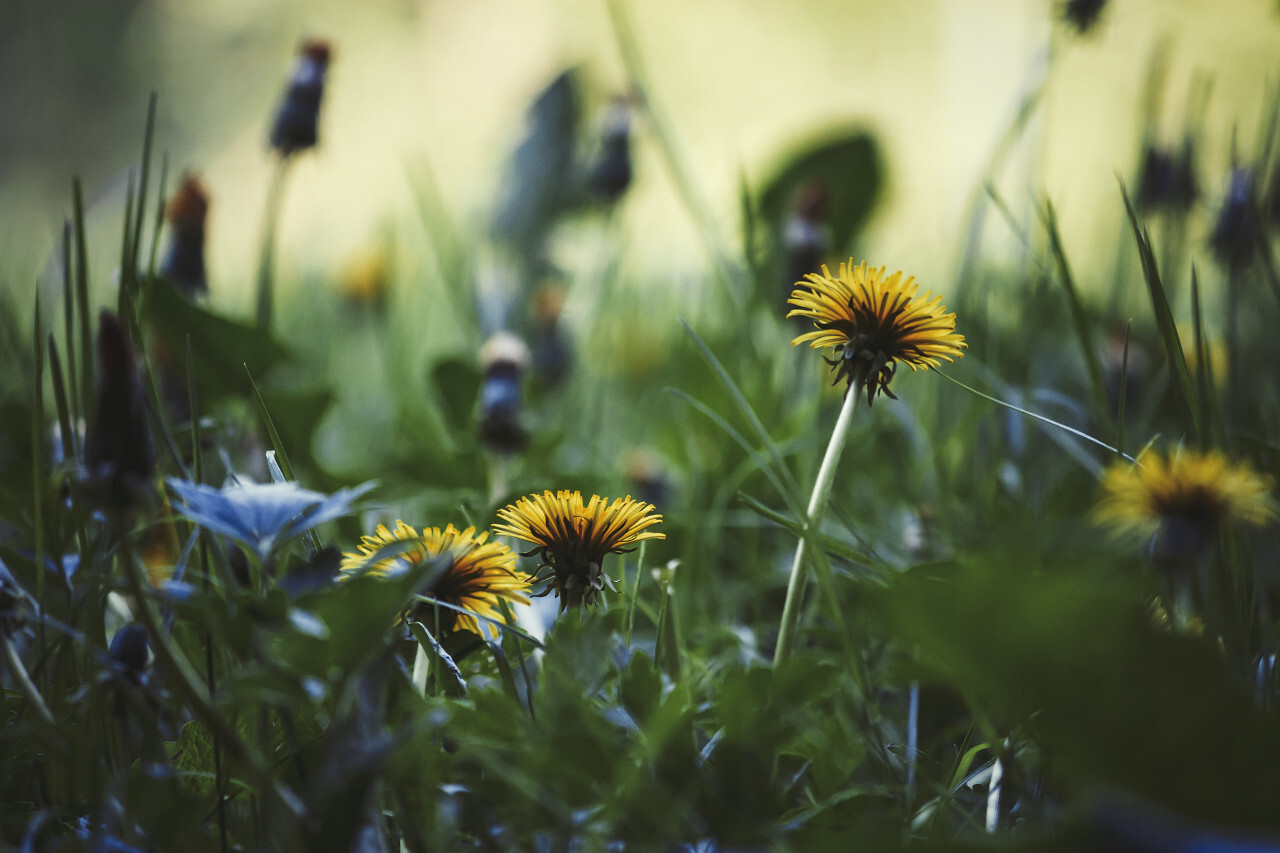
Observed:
{"x":504,"y":358}
{"x":1168,"y":181}
{"x":611,"y":174}
{"x":297,"y":119}
{"x":1237,"y":233}
{"x":552,"y":354}
{"x":364,"y":278}
{"x":665,"y":575}
{"x":184,"y":260}
{"x":806,"y":239}
{"x":1082,"y":14}
{"x":1124,"y":369}
{"x":130,"y":651}
{"x":118,"y":449}
{"x":646,"y":476}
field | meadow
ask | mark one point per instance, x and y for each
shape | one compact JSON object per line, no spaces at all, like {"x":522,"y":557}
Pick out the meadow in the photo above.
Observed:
{"x":525,"y":547}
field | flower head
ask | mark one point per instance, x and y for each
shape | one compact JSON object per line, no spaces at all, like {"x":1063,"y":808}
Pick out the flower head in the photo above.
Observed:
{"x":479,"y":573}
{"x":572,"y":539}
{"x":874,"y":323}
{"x":297,"y":119}
{"x":1187,"y":491}
{"x":184,"y":262}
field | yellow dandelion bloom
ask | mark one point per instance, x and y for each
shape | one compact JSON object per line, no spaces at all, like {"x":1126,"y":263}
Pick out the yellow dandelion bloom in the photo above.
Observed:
{"x":874,"y":323}
{"x":572,"y":539}
{"x":480,"y":572}
{"x":1203,"y":488}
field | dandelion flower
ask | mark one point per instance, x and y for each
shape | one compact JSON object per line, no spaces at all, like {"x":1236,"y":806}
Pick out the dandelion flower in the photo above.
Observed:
{"x":479,"y":574}
{"x":1187,"y":496}
{"x":874,"y":323}
{"x":572,"y":539}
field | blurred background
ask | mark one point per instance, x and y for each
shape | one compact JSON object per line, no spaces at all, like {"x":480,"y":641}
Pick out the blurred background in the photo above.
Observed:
{"x":443,"y":87}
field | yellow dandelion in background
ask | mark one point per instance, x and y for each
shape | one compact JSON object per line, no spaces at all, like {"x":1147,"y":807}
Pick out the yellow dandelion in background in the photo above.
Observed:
{"x":874,"y":323}
{"x":572,"y":539}
{"x":479,"y":574}
{"x":1202,"y":489}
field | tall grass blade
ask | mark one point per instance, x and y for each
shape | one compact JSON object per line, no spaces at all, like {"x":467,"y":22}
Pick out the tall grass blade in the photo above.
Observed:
{"x":741,"y":441}
{"x":1079,"y":316}
{"x":1038,"y":417}
{"x":1184,"y":393}
{"x":147,"y":140}
{"x":1210,"y":413}
{"x":792,"y":491}
{"x":276,"y":443}
{"x":37,"y":483}
{"x":69,"y":317}
{"x":82,"y":297}
{"x":60,"y":400}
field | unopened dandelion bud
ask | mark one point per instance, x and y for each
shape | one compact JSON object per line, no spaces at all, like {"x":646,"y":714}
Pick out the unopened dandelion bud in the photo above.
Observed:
{"x":646,"y":475}
{"x":612,"y":172}
{"x":184,"y":261}
{"x":130,"y":650}
{"x":296,"y":126}
{"x":1237,"y":233}
{"x":552,"y":352}
{"x":806,"y":238}
{"x":1083,"y":15}
{"x":505,"y":358}
{"x":118,"y":449}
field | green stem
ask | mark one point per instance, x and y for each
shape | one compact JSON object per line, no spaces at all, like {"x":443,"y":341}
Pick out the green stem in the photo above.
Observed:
{"x":266,"y":259}
{"x":813,"y":523}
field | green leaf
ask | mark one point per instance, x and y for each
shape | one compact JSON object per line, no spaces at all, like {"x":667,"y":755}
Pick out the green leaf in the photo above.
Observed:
{"x":846,"y":162}
{"x":222,"y":348}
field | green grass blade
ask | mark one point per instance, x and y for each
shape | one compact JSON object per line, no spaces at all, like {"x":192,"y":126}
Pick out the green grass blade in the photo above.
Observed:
{"x":1122,"y":396}
{"x":193,"y":403}
{"x":37,"y":484}
{"x":741,"y":441}
{"x":60,"y":400}
{"x":448,"y":673}
{"x":276,"y":444}
{"x":82,"y":296}
{"x":69,"y":315}
{"x":829,"y":544}
{"x":740,"y":400}
{"x":147,"y":139}
{"x":510,"y":618}
{"x":1182,"y":388}
{"x":161,"y":189}
{"x":128,"y":273}
{"x":1079,"y":317}
{"x":1038,"y":417}
{"x":1210,"y":410}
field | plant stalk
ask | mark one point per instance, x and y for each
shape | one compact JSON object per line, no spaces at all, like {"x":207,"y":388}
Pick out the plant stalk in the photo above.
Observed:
{"x":813,"y":523}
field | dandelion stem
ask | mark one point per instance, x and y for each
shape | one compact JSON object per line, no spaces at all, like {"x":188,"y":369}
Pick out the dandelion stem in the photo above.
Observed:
{"x":813,"y":522}
{"x":266,"y":260}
